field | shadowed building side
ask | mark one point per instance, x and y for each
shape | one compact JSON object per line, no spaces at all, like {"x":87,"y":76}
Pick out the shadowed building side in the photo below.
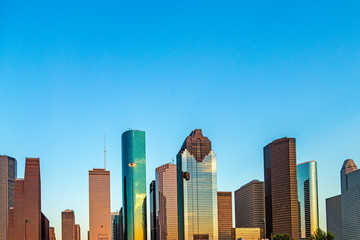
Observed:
{"x":333,"y":216}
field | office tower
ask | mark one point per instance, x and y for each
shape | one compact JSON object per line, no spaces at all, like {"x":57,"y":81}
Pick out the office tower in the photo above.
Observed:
{"x":153,"y":211}
{"x":246,"y":233}
{"x":308,"y":199}
{"x":113,"y":224}
{"x":197,"y":189}
{"x":68,"y":225}
{"x":99,"y":204}
{"x":333,"y":216}
{"x":350,"y":201}
{"x":166,"y":202}
{"x":7,"y":185}
{"x":281,"y":198}
{"x":44,"y":227}
{"x":121,"y":224}
{"x":116,"y":228}
{"x":224,"y":200}
{"x":134,"y":184}
{"x":52,"y":233}
{"x":250,"y":205}
{"x":77,"y":232}
{"x":26,"y":213}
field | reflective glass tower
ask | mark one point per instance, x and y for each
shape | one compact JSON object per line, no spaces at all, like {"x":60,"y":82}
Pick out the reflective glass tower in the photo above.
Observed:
{"x":134,"y":184}
{"x":308,"y":198}
{"x":197,"y":189}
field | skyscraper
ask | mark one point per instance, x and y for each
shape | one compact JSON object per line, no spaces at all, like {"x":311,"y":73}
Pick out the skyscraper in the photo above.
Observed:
{"x":26,"y":213}
{"x":153,"y":212}
{"x":197,"y":189}
{"x":281,"y":198}
{"x":114,"y":215}
{"x":77,"y":232}
{"x":134,"y":184}
{"x":350,"y":201}
{"x":250,"y":205}
{"x":224,"y":200}
{"x":308,"y":198}
{"x":99,"y":204}
{"x":166,"y":198}
{"x":333,"y":216}
{"x":68,"y":225}
{"x":7,"y":185}
{"x":52,"y":233}
{"x":44,"y":227}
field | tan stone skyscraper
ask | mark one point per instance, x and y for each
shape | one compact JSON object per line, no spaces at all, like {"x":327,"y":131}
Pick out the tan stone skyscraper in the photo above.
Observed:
{"x":224,"y":200}
{"x":68,"y":225}
{"x":99,"y":204}
{"x":281,"y":196}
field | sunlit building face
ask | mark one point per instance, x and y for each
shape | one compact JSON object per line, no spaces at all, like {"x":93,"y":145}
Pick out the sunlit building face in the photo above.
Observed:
{"x":197,"y":196}
{"x":308,"y":198}
{"x":134,"y":184}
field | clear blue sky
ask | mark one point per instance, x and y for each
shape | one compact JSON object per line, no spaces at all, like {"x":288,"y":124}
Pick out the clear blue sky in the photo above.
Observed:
{"x":246,"y":72}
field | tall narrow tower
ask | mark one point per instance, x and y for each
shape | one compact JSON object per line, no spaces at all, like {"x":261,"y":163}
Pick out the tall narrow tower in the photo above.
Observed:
{"x":197,"y":189}
{"x":281,"y":198}
{"x":134,"y":185}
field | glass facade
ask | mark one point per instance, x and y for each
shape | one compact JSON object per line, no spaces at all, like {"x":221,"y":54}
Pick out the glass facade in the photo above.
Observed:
{"x":307,"y":198}
{"x":197,"y":196}
{"x":134,"y":184}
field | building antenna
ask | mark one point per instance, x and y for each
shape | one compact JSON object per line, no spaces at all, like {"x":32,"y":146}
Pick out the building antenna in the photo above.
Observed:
{"x":104,"y":152}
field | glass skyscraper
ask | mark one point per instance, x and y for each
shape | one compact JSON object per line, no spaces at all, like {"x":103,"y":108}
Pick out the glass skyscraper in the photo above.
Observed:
{"x":308,"y":198}
{"x":134,"y":184}
{"x":197,"y":189}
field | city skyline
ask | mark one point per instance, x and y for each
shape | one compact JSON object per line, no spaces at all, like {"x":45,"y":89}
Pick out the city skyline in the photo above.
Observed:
{"x":246,"y":73}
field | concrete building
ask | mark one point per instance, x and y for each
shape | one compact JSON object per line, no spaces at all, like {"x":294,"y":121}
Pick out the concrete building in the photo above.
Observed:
{"x":246,"y":233}
{"x":7,"y":186}
{"x":77,"y":232}
{"x":134,"y":184}
{"x":99,"y":204}
{"x":197,"y":189}
{"x":166,"y":200}
{"x":68,"y":225}
{"x":308,"y":199}
{"x":225,"y":225}
{"x":250,"y":205}
{"x":52,"y":233}
{"x":26,"y":213}
{"x":333,"y":216}
{"x":350,"y":201}
{"x":281,"y":196}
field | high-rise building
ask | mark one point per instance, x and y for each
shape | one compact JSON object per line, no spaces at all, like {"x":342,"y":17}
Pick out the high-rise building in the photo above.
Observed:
{"x":224,"y":200}
{"x":114,"y":215}
{"x":68,"y":225}
{"x":281,"y":198}
{"x":99,"y":204}
{"x":197,"y":189}
{"x":121,"y":224}
{"x":134,"y":185}
{"x":44,"y":227}
{"x":77,"y":232}
{"x":7,"y":185}
{"x":26,"y":213}
{"x":52,"y":233}
{"x":333,"y":216}
{"x":153,"y":211}
{"x":246,"y":233}
{"x":308,"y":199}
{"x":166,"y":202}
{"x":250,"y":205}
{"x":116,"y":228}
{"x":350,"y":201}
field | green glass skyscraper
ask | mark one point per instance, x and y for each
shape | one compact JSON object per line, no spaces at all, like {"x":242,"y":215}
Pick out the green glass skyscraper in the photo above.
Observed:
{"x":134,"y":184}
{"x":308,"y":198}
{"x":197,"y":189}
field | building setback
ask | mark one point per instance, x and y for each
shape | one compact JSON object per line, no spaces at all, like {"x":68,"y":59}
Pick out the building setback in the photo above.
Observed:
{"x":224,"y":200}
{"x":250,"y":205}
{"x":134,"y":184}
{"x":68,"y":225}
{"x":26,"y":212}
{"x":350,"y":201}
{"x":197,"y":189}
{"x":333,"y":216}
{"x":281,"y":197}
{"x":167,"y":211}
{"x":99,"y":204}
{"x":308,"y":199}
{"x":7,"y":185}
